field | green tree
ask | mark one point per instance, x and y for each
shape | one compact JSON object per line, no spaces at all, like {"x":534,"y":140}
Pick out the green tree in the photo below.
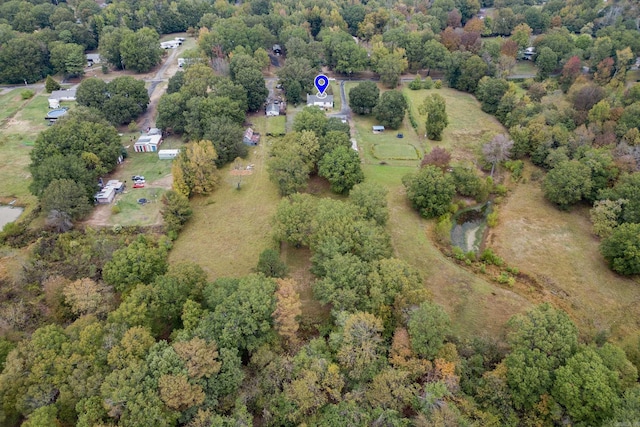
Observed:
{"x":547,"y":61}
{"x":364,"y":97}
{"x":627,"y":188}
{"x":586,"y":388}
{"x":428,"y":326}
{"x":140,"y":262}
{"x":391,"y":66}
{"x":391,"y":109}
{"x":371,"y":199}
{"x":141,"y":51}
{"x":311,"y":119}
{"x":51,"y":85}
{"x":127,"y":99}
{"x":23,"y":59}
{"x":435,"y":55}
{"x":567,"y":183}
{"x":622,"y":249}
{"x":296,"y":77}
{"x":66,"y":195}
{"x":350,"y":58}
{"x":293,"y":219}
{"x":342,"y":168}
{"x":170,"y":112}
{"x":226,"y":136}
{"x":271,"y":265}
{"x":541,"y":341}
{"x":435,"y":107}
{"x":242,"y":319}
{"x":175,"y":211}
{"x":110,"y":40}
{"x":194,"y":170}
{"x":430,"y":191}
{"x":252,"y":81}
{"x":92,"y":93}
{"x":490,"y":91}
{"x":288,"y":171}
{"x":68,"y":58}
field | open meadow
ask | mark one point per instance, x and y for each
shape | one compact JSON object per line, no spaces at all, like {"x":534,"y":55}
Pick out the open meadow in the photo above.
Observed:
{"x":559,"y":250}
{"x":20,"y":122}
{"x":231,"y":227}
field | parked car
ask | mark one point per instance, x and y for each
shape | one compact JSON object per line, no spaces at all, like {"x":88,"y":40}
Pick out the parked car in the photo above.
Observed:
{"x":138,"y":185}
{"x":137,"y":178}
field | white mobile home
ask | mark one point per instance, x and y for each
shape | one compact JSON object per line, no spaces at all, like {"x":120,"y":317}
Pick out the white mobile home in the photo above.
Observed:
{"x":168,"y":154}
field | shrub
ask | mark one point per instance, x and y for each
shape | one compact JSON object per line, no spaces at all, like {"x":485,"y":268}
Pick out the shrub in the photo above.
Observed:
{"x":416,"y":84}
{"x":27,"y":94}
{"x":115,"y":209}
{"x":516,"y":167}
{"x":458,"y":253}
{"x":438,"y":84}
{"x":175,"y":212}
{"x":490,"y":257}
{"x":270,"y":264}
{"x":51,"y":85}
{"x":428,"y":83}
{"x":622,"y":249}
{"x":443,"y":229}
{"x":492,"y":219}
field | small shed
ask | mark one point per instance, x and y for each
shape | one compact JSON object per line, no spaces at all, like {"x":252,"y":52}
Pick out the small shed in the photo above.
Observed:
{"x":58,"y":96}
{"x":154,"y":131}
{"x":92,"y":59}
{"x":250,"y":137}
{"x":378,"y":129}
{"x":529,"y":53}
{"x":105,"y":196}
{"x":277,"y":49}
{"x":168,"y":154}
{"x":273,"y":110}
{"x":147,"y":144}
{"x":324,"y":102}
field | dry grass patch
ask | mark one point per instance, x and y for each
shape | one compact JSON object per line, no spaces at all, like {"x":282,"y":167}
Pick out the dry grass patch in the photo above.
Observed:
{"x":469,"y":127}
{"x":230,"y":228}
{"x":559,"y":250}
{"x":476,"y":306}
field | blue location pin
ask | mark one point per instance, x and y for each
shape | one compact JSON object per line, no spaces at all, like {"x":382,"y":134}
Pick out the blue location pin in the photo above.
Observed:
{"x":321,"y":82}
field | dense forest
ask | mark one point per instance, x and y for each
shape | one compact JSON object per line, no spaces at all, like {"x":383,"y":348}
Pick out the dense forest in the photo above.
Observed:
{"x":98,"y":328}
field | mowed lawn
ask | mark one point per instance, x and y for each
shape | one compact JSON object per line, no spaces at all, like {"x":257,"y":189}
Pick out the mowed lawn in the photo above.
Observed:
{"x":21,"y":121}
{"x":559,"y":249}
{"x":477,"y":307}
{"x":230,"y":228}
{"x":469,"y":127}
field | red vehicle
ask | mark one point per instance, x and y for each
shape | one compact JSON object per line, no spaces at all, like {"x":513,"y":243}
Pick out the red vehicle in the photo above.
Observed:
{"x":138,"y":185}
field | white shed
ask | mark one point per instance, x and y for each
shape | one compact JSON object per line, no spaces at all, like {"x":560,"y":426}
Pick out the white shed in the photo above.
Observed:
{"x":168,"y":154}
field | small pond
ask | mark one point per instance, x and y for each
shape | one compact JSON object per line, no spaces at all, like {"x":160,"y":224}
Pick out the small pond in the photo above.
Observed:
{"x":8,"y":214}
{"x":469,"y":226}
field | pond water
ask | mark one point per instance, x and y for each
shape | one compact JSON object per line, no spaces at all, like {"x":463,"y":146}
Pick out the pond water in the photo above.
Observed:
{"x":468,"y":228}
{"x":8,"y":214}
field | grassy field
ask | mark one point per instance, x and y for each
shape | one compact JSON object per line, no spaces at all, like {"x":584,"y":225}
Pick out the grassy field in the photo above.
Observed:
{"x":335,"y":91}
{"x":477,"y":307}
{"x":524,"y":67}
{"x":560,"y":251}
{"x":469,"y":127}
{"x":10,"y":103}
{"x":21,"y":121}
{"x":398,"y":151}
{"x":230,"y":228}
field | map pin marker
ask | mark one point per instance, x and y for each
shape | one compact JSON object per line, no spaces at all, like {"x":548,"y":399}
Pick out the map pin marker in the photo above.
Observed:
{"x":321,"y":82}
